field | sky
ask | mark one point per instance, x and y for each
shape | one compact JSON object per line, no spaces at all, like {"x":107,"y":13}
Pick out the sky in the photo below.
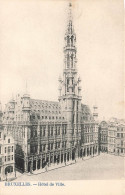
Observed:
{"x":31,"y":50}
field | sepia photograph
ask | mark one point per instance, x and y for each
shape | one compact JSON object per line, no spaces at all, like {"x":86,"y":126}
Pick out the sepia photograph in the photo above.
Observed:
{"x":62,"y":84}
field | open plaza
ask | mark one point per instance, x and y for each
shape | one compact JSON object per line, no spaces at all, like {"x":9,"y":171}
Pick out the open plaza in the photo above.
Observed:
{"x":102,"y":167}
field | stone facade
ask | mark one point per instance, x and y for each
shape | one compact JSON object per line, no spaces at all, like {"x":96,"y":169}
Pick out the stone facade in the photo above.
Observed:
{"x":120,"y":139}
{"x":103,"y":136}
{"x":112,"y":128}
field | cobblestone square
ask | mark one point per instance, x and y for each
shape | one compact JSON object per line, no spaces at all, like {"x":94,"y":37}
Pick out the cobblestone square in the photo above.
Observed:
{"x":102,"y":167}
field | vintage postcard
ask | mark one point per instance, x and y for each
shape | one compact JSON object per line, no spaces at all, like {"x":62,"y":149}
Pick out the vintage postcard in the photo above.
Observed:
{"x":62,"y":117}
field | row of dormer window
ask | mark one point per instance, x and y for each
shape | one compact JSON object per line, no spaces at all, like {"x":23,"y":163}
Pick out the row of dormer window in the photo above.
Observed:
{"x":42,"y":105}
{"x":47,"y":111}
{"x":46,"y":117}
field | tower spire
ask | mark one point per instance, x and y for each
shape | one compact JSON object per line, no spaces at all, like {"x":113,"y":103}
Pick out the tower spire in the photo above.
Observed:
{"x":26,"y":93}
{"x":12,"y":96}
{"x":70,"y":83}
{"x":26,"y":86}
{"x":70,"y":19}
{"x":70,"y":10}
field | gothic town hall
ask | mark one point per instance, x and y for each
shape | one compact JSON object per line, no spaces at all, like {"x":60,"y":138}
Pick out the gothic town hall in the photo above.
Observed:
{"x":48,"y":132}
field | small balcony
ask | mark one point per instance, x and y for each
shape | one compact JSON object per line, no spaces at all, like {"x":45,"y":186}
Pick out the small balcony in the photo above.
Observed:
{"x":70,"y":48}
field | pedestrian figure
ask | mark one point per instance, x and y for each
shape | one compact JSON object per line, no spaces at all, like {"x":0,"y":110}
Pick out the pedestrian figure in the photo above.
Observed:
{"x":6,"y":176}
{"x":15,"y":173}
{"x":46,"y":167}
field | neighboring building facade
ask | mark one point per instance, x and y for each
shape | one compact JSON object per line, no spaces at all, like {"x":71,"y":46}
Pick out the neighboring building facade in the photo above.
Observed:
{"x":103,"y":136}
{"x":112,"y":137}
{"x":8,"y":157}
{"x":112,"y":128}
{"x":90,"y":139}
{"x":47,"y":132}
{"x":7,"y":161}
{"x":1,"y":147}
{"x":120,"y":139}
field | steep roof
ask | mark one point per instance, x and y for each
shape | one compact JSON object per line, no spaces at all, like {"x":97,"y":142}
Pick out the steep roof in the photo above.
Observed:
{"x":40,"y":105}
{"x":86,"y":113}
{"x":49,"y":110}
{"x":85,"y":109}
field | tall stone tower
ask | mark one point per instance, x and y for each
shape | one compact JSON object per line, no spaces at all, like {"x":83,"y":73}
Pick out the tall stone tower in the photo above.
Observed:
{"x":70,"y":97}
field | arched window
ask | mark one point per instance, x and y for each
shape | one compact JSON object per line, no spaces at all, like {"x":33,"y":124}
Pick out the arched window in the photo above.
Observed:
{"x":68,"y":61}
{"x":72,"y":40}
{"x":71,"y":60}
{"x":67,"y":85}
{"x":68,"y":41}
{"x":8,"y":169}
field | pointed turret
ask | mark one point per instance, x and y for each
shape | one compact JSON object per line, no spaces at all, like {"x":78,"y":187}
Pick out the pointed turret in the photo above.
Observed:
{"x":26,"y":94}
{"x":95,"y":112}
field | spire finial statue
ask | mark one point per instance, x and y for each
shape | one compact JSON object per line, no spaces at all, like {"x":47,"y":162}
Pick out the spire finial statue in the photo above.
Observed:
{"x":12,"y":96}
{"x":70,"y":10}
{"x":70,"y":4}
{"x":26,"y":93}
